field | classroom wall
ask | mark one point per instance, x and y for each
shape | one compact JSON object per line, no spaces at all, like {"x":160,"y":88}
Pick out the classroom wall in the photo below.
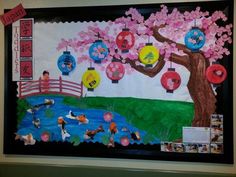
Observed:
{"x":97,"y":162}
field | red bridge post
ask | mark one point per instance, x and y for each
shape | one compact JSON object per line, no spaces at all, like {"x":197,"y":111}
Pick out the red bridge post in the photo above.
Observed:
{"x":62,"y":87}
{"x":20,"y":84}
{"x":60,"y":84}
{"x":81,"y":88}
{"x":40,"y":85}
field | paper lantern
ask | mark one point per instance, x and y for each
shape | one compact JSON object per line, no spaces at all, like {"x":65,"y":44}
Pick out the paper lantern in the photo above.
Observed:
{"x":170,"y":80}
{"x":194,"y":39}
{"x":98,"y":51}
{"x":91,"y":79}
{"x":115,"y":71}
{"x":148,"y":55}
{"x":66,"y":63}
{"x":216,"y":73}
{"x":125,"y":40}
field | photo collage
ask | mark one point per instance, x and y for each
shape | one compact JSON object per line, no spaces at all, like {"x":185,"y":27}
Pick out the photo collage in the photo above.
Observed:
{"x":199,"y":139}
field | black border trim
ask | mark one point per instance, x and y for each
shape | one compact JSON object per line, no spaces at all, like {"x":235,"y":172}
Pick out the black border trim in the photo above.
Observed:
{"x":135,"y":151}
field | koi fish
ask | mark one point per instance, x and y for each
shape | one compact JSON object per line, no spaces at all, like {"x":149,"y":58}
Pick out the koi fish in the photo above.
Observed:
{"x":61,"y":123}
{"x":89,"y":134}
{"x":36,"y":122}
{"x":64,"y":134}
{"x":134,"y":135}
{"x":28,"y":139}
{"x":113,"y":128}
{"x":111,"y":142}
{"x":82,"y":119}
{"x":47,"y":103}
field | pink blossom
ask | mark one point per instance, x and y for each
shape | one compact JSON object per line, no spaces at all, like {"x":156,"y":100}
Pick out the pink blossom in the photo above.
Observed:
{"x":81,"y":50}
{"x":176,"y":26}
{"x":227,"y":52}
{"x":206,"y":22}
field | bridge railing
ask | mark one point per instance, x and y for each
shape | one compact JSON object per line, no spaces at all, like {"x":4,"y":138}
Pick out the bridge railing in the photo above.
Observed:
{"x":51,"y":86}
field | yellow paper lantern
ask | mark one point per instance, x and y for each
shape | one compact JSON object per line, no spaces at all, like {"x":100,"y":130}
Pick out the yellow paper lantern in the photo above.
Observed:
{"x":91,"y":79}
{"x":148,"y":55}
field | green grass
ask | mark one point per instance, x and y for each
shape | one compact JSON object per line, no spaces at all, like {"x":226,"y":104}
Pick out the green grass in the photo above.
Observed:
{"x":161,"y":119}
{"x":22,"y":106}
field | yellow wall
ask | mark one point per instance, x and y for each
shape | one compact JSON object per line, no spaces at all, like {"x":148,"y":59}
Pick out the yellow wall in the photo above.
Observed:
{"x":76,"y":161}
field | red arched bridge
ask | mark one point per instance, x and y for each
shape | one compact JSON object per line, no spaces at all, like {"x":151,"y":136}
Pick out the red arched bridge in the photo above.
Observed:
{"x":51,"y":86}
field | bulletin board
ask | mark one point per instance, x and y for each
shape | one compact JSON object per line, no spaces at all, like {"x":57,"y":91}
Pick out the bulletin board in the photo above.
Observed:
{"x":150,"y":81}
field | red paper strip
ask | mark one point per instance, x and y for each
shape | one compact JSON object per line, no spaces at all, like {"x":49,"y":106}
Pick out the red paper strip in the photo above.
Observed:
{"x":26,"y":70}
{"x":26,"y":48}
{"x":26,"y":28}
{"x":13,"y":15}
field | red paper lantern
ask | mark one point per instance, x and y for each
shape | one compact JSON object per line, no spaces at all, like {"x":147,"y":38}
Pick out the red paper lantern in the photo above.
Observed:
{"x":216,"y":73}
{"x":125,"y":40}
{"x":170,"y":80}
{"x":115,"y":71}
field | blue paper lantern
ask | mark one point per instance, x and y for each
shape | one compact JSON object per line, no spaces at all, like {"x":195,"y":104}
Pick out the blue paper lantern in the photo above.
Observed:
{"x":66,"y":63}
{"x":98,"y":51}
{"x":194,"y":39}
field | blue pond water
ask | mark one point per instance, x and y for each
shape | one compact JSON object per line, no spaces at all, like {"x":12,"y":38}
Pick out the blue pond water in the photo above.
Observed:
{"x":95,"y":116}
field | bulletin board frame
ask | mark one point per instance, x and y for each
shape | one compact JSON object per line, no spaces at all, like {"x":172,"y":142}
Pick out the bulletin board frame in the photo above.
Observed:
{"x":150,"y":152}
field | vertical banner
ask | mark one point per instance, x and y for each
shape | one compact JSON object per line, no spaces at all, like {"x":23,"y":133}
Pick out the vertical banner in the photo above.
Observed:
{"x":22,"y":50}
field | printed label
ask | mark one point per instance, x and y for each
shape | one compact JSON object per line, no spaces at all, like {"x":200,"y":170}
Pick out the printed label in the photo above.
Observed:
{"x":13,"y":15}
{"x":196,"y":135}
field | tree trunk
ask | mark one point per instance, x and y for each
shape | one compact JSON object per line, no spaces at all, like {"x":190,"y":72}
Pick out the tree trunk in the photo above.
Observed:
{"x":201,"y":91}
{"x":199,"y":88}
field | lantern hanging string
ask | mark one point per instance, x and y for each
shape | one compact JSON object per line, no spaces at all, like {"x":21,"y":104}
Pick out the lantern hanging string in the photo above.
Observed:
{"x":90,"y":63}
{"x":98,"y":35}
{"x":195,"y":23}
{"x":67,"y":44}
{"x":170,"y":64}
{"x":148,"y":39}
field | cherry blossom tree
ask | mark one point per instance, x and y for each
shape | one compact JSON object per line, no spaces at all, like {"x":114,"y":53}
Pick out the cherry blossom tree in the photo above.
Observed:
{"x":166,"y":30}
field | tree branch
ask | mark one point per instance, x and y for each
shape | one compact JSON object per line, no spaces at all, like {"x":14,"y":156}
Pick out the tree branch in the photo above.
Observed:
{"x":161,"y":38}
{"x":151,"y":72}
{"x":182,"y":60}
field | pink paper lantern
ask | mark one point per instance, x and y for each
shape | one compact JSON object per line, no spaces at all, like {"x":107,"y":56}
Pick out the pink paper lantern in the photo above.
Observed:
{"x":115,"y":71}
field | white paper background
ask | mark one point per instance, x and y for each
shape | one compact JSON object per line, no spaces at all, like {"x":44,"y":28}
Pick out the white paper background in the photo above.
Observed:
{"x":48,"y":35}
